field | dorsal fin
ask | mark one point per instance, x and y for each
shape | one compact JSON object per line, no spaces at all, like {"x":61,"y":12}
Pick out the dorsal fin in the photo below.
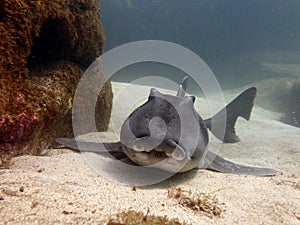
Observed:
{"x":182,"y":87}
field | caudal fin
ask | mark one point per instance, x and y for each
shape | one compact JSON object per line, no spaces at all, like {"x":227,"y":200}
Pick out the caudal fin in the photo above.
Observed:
{"x":219,"y":164}
{"x":240,"y":106}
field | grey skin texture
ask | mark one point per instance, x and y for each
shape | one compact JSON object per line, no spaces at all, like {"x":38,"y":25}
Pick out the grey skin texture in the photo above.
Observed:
{"x":167,"y":133}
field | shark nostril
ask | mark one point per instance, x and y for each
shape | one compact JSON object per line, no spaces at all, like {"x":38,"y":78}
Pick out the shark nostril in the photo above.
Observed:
{"x":179,"y":154}
{"x":138,"y":147}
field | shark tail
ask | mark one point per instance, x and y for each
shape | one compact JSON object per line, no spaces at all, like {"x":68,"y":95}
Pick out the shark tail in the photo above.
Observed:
{"x":241,"y":106}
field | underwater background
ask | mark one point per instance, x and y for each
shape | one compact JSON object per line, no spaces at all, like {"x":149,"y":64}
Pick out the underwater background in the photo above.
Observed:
{"x":243,"y":42}
{"x":46,"y":47}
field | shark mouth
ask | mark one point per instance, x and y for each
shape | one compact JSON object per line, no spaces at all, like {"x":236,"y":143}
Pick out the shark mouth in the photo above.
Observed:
{"x":153,"y":156}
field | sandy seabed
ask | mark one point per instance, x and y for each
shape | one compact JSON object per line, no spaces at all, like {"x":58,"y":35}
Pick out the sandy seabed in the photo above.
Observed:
{"x":60,"y":187}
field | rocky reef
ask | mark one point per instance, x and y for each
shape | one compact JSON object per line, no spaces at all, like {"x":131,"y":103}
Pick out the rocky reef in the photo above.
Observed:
{"x":45,"y":46}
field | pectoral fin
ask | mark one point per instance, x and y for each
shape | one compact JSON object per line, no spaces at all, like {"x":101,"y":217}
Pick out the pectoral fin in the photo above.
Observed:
{"x":114,"y":148}
{"x":219,"y":164}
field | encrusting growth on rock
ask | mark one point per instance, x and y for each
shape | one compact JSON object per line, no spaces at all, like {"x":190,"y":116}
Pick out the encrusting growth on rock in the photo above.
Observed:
{"x":45,"y":46}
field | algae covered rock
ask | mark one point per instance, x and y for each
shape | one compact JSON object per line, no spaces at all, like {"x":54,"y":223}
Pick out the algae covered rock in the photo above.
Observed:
{"x":45,"y":46}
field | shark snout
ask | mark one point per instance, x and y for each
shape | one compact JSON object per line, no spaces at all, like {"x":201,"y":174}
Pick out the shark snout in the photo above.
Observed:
{"x":158,"y":141}
{"x":158,"y":131}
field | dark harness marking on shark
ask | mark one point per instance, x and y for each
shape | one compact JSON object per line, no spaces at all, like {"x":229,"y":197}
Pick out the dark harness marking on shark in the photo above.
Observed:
{"x":168,"y":128}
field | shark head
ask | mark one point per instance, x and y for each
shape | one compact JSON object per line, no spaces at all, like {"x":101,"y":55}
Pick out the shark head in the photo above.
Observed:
{"x":164,"y":132}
